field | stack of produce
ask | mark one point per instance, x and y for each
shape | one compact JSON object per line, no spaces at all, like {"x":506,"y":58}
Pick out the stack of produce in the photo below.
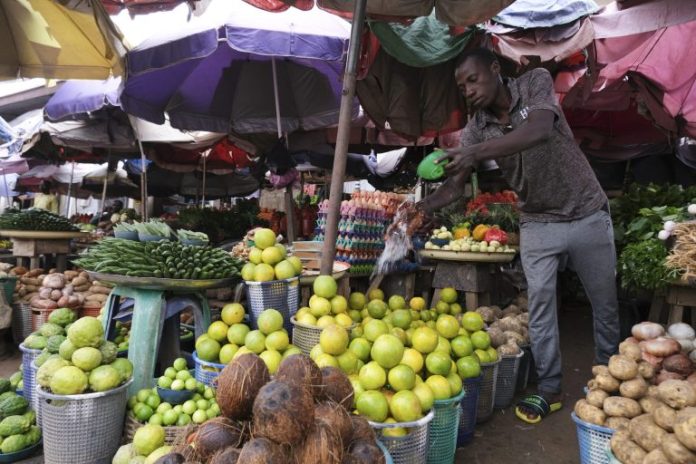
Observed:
{"x":34,"y":219}
{"x":507,"y":327}
{"x":18,"y":429}
{"x":364,"y":219}
{"x":403,"y":357}
{"x":326,"y":307}
{"x":96,"y":294}
{"x":268,"y":260}
{"x":300,"y":417}
{"x":148,"y":446}
{"x":229,"y":338}
{"x":148,"y":405}
{"x":17,"y":380}
{"x":190,"y":236}
{"x":52,"y":333}
{"x":28,"y":283}
{"x":671,"y":354}
{"x":158,"y":259}
{"x":61,"y":290}
{"x":122,"y":336}
{"x":81,"y":362}
{"x":485,"y":239}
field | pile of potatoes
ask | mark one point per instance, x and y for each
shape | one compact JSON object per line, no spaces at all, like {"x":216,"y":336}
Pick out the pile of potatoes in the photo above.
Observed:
{"x":653,"y":423}
{"x":61,"y":290}
{"x":96,"y":294}
{"x":28,"y":283}
{"x":507,"y":327}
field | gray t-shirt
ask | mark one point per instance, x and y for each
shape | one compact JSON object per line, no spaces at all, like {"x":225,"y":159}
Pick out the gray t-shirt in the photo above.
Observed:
{"x":553,"y":180}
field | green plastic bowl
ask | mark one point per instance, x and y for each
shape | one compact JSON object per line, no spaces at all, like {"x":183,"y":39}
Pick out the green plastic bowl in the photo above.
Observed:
{"x":428,"y":169}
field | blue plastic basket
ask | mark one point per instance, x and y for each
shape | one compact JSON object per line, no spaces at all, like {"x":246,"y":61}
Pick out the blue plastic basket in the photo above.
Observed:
{"x":205,"y":371}
{"x":444,"y":429}
{"x":387,"y":457}
{"x":29,"y":374}
{"x":467,"y":419}
{"x":593,"y":441}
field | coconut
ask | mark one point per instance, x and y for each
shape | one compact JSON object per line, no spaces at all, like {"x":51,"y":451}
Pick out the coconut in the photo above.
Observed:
{"x":215,"y":435}
{"x":322,"y":445}
{"x":170,"y":458}
{"x":487,"y":314}
{"x":337,"y":387}
{"x":497,"y":337}
{"x":510,"y":323}
{"x":363,"y":452}
{"x":519,"y":339}
{"x":239,"y":383}
{"x":362,"y":430}
{"x":262,"y":451}
{"x":299,"y":369}
{"x":336,"y":417}
{"x":283,"y":412}
{"x":187,"y":451}
{"x":229,"y":455}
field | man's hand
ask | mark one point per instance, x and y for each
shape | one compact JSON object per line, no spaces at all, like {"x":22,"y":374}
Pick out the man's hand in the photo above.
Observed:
{"x":461,"y":158}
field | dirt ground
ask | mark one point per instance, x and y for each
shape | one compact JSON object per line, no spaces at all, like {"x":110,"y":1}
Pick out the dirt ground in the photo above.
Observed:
{"x":504,"y":438}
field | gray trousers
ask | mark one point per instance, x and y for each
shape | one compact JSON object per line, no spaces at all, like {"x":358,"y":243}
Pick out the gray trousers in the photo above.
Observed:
{"x":588,"y":244}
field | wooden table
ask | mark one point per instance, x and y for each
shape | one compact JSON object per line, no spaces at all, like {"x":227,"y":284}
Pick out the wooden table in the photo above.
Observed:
{"x":30,"y":244}
{"x":679,"y":296}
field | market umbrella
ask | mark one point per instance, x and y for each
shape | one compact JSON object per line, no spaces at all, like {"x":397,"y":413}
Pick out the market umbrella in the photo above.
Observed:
{"x":239,"y":68}
{"x":46,"y":38}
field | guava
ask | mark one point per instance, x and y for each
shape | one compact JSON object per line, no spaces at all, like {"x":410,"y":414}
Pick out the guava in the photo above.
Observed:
{"x":40,"y":359}
{"x":124,"y":368}
{"x":49,"y":329}
{"x":158,"y":453}
{"x":104,"y":378}
{"x":69,"y":380}
{"x":66,"y":350}
{"x":148,"y":438}
{"x":109,"y":350}
{"x":35,"y":341}
{"x":48,"y":369}
{"x":124,"y":454}
{"x":62,"y":316}
{"x":87,"y":358}
{"x":86,"y":331}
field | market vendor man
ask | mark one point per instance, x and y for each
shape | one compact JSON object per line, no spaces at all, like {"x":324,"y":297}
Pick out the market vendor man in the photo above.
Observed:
{"x":563,"y":210}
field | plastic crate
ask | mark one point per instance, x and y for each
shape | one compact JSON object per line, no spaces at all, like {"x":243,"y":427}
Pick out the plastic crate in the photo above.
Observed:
{"x":486,"y":399}
{"x":523,"y":370}
{"x":281,"y":295}
{"x":172,"y":434}
{"x":443,"y":430}
{"x":469,"y":406}
{"x":411,"y":448}
{"x":82,"y":429}
{"x":506,"y":383}
{"x":593,"y":441}
{"x":306,"y":337}
{"x":206,"y":372}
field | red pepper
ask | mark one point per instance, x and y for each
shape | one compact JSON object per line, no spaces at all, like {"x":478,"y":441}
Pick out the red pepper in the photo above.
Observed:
{"x":496,"y":234}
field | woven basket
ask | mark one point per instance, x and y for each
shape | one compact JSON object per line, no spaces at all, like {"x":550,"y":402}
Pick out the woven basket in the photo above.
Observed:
{"x":21,"y":322}
{"x":489,"y":378}
{"x":82,"y":429}
{"x":411,"y":448}
{"x":90,"y":311}
{"x":306,"y":337}
{"x":172,"y":435}
{"x":39,"y":317}
{"x":593,"y":441}
{"x":206,"y":372}
{"x":29,"y":374}
{"x":443,"y":430}
{"x":507,"y":380}
{"x":281,"y":295}
{"x":467,"y":419}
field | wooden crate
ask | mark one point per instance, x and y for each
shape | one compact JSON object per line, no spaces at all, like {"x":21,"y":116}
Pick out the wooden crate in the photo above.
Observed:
{"x":309,"y":253}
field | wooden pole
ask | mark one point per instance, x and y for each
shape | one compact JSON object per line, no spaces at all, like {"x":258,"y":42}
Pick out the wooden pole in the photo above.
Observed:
{"x":328,"y":251}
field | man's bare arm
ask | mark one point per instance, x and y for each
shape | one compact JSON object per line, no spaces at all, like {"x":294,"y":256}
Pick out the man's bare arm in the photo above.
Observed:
{"x":451,"y":190}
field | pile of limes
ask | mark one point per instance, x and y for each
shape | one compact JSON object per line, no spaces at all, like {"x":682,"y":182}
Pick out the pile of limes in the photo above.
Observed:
{"x":327,"y":308}
{"x":147,"y":406}
{"x":268,"y":260}
{"x":399,"y":362}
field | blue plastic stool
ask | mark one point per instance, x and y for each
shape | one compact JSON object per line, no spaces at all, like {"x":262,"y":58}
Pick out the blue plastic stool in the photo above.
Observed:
{"x":152,"y":317}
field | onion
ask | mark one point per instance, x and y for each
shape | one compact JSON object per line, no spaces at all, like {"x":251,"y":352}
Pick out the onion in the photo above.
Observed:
{"x":669,"y":226}
{"x":692,"y":209}
{"x":678,"y":363}
{"x":661,"y":347}
{"x":692,"y":356}
{"x":686,"y":344}
{"x":654,"y":361}
{"x":647,"y":330}
{"x":667,"y":375}
{"x":663,"y":235}
{"x":681,"y":330}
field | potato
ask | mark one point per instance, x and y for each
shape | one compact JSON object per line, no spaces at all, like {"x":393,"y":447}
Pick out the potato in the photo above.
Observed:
{"x":622,"y":407}
{"x":646,"y":433}
{"x":664,"y":416}
{"x":589,"y":413}
{"x":599,"y":369}
{"x":678,"y":394}
{"x":635,"y":388}
{"x":685,"y":427}
{"x":616,"y":423}
{"x":607,"y":383}
{"x":100,"y":289}
{"x":649,"y":404}
{"x":675,"y":451}
{"x":646,"y":370}
{"x":622,"y":367}
{"x":656,"y":457}
{"x":652,"y":392}
{"x":596,"y":397}
{"x":630,"y":350}
{"x":625,"y":450}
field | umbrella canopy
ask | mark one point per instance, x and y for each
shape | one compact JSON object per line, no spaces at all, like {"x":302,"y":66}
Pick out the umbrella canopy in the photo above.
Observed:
{"x":217,"y":73}
{"x":44,"y":38}
{"x":452,"y":12}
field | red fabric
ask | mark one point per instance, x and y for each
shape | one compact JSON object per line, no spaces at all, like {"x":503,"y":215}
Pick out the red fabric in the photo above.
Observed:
{"x":223,"y":155}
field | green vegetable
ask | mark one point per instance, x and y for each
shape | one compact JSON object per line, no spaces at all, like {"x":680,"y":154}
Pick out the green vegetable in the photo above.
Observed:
{"x":642,"y":265}
{"x":62,"y":316}
{"x":34,"y":219}
{"x":15,"y":379}
{"x":13,"y":405}
{"x":14,"y":425}
{"x":31,"y":416}
{"x":5,"y":385}
{"x":14,"y":443}
{"x":35,"y":342}
{"x":154,"y":227}
{"x":33,"y":435}
{"x":184,"y":234}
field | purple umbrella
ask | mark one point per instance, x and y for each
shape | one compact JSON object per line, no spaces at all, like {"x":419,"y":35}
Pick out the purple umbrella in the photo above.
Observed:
{"x":241,"y":68}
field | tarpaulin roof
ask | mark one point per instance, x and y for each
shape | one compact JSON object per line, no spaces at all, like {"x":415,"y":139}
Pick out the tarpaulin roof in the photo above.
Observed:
{"x":452,"y":12}
{"x":611,"y":21}
{"x":142,"y":6}
{"x":44,"y":38}
{"x":528,"y":14}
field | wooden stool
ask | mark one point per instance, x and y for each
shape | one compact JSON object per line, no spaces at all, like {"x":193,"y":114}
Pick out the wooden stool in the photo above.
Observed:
{"x":474,"y":279}
{"x":679,"y":297}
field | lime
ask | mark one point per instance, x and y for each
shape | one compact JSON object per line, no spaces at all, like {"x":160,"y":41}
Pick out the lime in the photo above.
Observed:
{"x":190,"y":384}
{"x":183,"y":375}
{"x":401,"y":377}
{"x":170,"y":417}
{"x":155,"y":419}
{"x":178,"y":384}
{"x":142,"y":412}
{"x":153,"y":401}
{"x":232,"y":313}
{"x":236,"y":334}
{"x":189,"y":407}
{"x":164,"y":382}
{"x":184,"y":419}
{"x":199,"y":417}
{"x":180,"y":364}
{"x":255,"y":341}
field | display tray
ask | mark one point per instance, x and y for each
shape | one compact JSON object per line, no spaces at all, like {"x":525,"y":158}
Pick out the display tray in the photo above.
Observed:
{"x":42,"y":234}
{"x":467,"y":256}
{"x":155,"y":283}
{"x":339,"y":270}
